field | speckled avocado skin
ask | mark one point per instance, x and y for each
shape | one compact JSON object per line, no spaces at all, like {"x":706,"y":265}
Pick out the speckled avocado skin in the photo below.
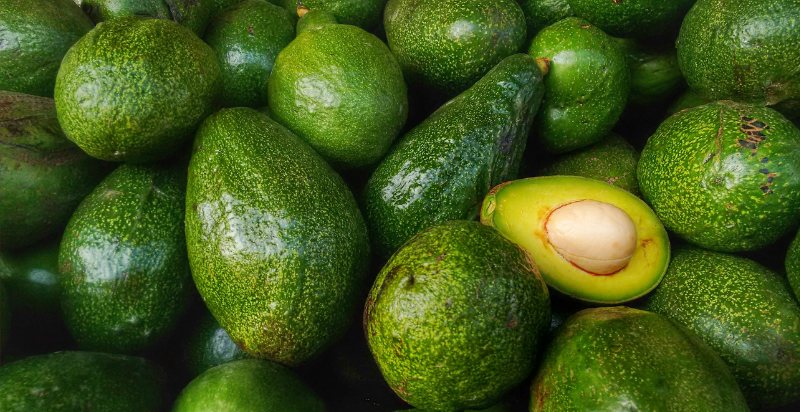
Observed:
{"x":277,"y":245}
{"x":362,"y":13}
{"x":133,"y":89}
{"x":586,"y":88}
{"x":81,"y":381}
{"x":460,"y":298}
{"x":542,"y":13}
{"x":34,"y":36}
{"x":125,"y":273}
{"x":210,"y":345}
{"x":724,"y":176}
{"x":793,"y":266}
{"x":624,"y":359}
{"x":442,"y":169}
{"x":448,"y":45}
{"x":633,"y":18}
{"x":103,"y":10}
{"x":743,"y":311}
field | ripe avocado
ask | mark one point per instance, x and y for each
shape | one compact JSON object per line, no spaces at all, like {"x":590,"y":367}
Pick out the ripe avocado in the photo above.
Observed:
{"x":742,"y":310}
{"x":633,"y":18}
{"x":542,"y":13}
{"x":277,"y":245}
{"x":624,"y":359}
{"x":32,"y":280}
{"x":724,"y":176}
{"x":209,"y":345}
{"x":793,"y":266}
{"x":457,"y":298}
{"x":442,"y":169}
{"x":133,"y":89}
{"x":194,"y":14}
{"x":591,"y":240}
{"x":655,"y":74}
{"x":362,"y":13}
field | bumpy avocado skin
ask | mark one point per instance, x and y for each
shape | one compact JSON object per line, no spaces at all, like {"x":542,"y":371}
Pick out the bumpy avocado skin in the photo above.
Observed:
{"x":34,"y":36}
{"x":619,"y":358}
{"x":743,"y":311}
{"x":447,"y":45}
{"x":633,"y":18}
{"x":362,"y":13}
{"x":133,"y":89}
{"x":277,"y":244}
{"x":724,"y":176}
{"x":81,"y":381}
{"x":125,"y":273}
{"x":742,"y":50}
{"x":457,"y":297}
{"x":586,"y":88}
{"x":442,"y":169}
{"x":542,"y":13}
{"x":655,"y":74}
{"x":793,"y":266}
{"x":210,"y":345}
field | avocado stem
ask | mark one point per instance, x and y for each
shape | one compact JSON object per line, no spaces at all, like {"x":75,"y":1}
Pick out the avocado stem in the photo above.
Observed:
{"x":544,"y":65}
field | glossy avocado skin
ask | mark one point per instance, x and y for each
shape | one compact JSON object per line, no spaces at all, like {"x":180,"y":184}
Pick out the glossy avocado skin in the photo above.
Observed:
{"x":79,"y":381}
{"x":743,"y":311}
{"x":43,"y":176}
{"x":633,"y":18}
{"x":542,"y":13}
{"x":32,"y":280}
{"x":34,"y":36}
{"x":448,"y":45}
{"x":277,"y":245}
{"x":210,"y":345}
{"x":125,"y":273}
{"x":792,"y":264}
{"x":586,"y":88}
{"x":442,"y":168}
{"x":457,"y":297}
{"x":194,"y":14}
{"x":655,"y":74}
{"x":362,"y":13}
{"x":619,"y":358}
{"x":724,"y":176}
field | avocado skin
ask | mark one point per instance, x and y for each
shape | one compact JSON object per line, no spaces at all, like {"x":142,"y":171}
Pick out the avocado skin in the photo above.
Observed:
{"x":687,"y":100}
{"x":447,"y":45}
{"x":133,"y":89}
{"x":792,"y":264}
{"x":125,"y":273}
{"x":81,"y":381}
{"x":315,"y":19}
{"x":362,"y":13}
{"x":460,"y":298}
{"x":246,"y":39}
{"x":194,"y":14}
{"x":724,"y":176}
{"x":210,"y":345}
{"x":633,"y":18}
{"x":442,"y":169}
{"x":586,"y":88}
{"x":743,"y":311}
{"x":277,"y":245}
{"x":655,"y":74}
{"x":43,"y":176}
{"x":248,"y":385}
{"x":32,"y":279}
{"x":542,"y":13}
{"x":34,"y":36}
{"x":619,"y":358}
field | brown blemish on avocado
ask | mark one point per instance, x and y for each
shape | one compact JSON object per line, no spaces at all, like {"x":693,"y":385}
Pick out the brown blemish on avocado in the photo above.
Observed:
{"x":250,"y":30}
{"x":755,"y":133}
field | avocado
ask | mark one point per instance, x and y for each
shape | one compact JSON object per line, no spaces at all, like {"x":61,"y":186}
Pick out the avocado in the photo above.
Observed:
{"x":246,"y":39}
{"x":43,"y":176}
{"x":81,"y":381}
{"x":655,"y":74}
{"x":633,"y":18}
{"x":542,"y":13}
{"x":313,"y":19}
{"x":455,"y":318}
{"x":220,"y":5}
{"x":277,"y":244}
{"x":742,"y":310}
{"x":591,"y":240}
{"x":125,"y":273}
{"x":194,"y":14}
{"x":365,"y":14}
{"x":133,"y":89}
{"x":447,"y":45}
{"x":34,"y":36}
{"x":724,"y":176}
{"x":5,"y":315}
{"x":248,"y":385}
{"x":792,"y":265}
{"x":624,"y":359}
{"x":586,"y":86}
{"x":342,"y":91}
{"x":744,"y":50}
{"x":442,"y":168}
{"x":32,"y":280}
{"x":612,"y":160}
{"x":687,"y":100}
{"x":209,"y":345}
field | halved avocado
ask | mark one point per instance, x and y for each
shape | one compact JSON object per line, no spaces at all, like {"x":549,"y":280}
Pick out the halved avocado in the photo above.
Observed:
{"x":591,"y":240}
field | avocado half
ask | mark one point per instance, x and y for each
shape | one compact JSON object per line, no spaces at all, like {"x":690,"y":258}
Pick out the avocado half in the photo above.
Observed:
{"x":591,"y":240}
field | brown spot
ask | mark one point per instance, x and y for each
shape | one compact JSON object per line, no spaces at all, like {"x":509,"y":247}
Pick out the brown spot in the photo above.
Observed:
{"x":585,"y":26}
{"x":250,"y":30}
{"x":646,"y":242}
{"x":441,"y":256}
{"x":401,"y":390}
{"x":512,"y":322}
{"x":755,"y":133}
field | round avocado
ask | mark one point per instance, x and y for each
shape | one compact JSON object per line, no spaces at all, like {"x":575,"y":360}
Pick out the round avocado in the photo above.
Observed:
{"x":210,"y":345}
{"x":542,"y":13}
{"x":633,"y":18}
{"x":362,"y":13}
{"x":724,"y":176}
{"x":591,"y":240}
{"x":655,"y":74}
{"x":793,"y":266}
{"x":133,"y":89}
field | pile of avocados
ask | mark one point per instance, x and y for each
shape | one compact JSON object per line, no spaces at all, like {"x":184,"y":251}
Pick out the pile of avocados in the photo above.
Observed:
{"x":391,"y":205}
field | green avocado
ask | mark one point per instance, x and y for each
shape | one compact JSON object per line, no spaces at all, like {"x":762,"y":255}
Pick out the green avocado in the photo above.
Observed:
{"x":542,"y":13}
{"x":277,"y":244}
{"x":623,"y":359}
{"x":249,"y":385}
{"x":313,"y":19}
{"x":792,"y":264}
{"x":342,"y":91}
{"x":442,"y":169}
{"x":742,"y":310}
{"x":447,"y":45}
{"x":724,"y":176}
{"x":34,"y":36}
{"x":32,"y":280}
{"x":43,"y":176}
{"x":5,"y":315}
{"x":586,"y":87}
{"x":655,"y":74}
{"x":133,"y":89}
{"x":194,"y":14}
{"x":362,"y":13}
{"x":81,"y":381}
{"x":687,"y":100}
{"x":458,"y":298}
{"x":209,"y":345}
{"x":633,"y":18}
{"x":125,"y":273}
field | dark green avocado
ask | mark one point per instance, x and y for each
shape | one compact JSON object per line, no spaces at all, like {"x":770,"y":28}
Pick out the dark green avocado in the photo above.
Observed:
{"x":792,"y":264}
{"x":194,"y":14}
{"x":633,"y":18}
{"x":209,"y":345}
{"x":362,"y":13}
{"x":32,"y":280}
{"x":655,"y":74}
{"x":542,"y":13}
